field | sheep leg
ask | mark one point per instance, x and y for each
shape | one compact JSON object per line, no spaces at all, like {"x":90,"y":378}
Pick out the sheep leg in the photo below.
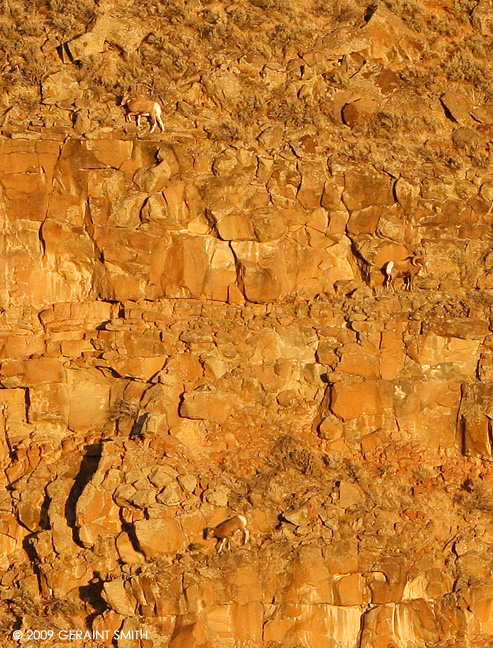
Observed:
{"x":389,"y":283}
{"x":221,"y":544}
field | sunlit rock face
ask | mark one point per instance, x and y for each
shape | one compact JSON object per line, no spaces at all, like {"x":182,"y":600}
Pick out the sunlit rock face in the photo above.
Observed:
{"x":211,"y":320}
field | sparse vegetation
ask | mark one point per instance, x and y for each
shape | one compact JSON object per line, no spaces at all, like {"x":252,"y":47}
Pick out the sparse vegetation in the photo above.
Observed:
{"x":289,"y":452}
{"x":341,"y":11}
{"x":125,"y":410}
{"x":410,"y":12}
{"x":472,"y":496}
{"x":180,"y":39}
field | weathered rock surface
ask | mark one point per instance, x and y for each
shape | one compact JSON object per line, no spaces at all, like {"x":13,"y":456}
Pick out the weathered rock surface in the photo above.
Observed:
{"x":193,"y":324}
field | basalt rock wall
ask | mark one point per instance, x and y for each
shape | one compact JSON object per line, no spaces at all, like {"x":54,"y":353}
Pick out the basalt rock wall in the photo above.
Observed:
{"x":189,"y":334}
{"x":353,"y":433}
{"x":118,"y":220}
{"x":193,"y":324}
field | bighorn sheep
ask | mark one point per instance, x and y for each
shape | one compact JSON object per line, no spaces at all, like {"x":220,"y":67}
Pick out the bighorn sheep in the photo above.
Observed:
{"x":226,"y":530}
{"x":406,"y":269}
{"x":140,"y":107}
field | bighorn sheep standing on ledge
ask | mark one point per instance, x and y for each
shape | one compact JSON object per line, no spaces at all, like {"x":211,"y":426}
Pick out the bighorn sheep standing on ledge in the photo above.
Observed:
{"x":226,"y":530}
{"x":406,"y":269}
{"x":140,"y":107}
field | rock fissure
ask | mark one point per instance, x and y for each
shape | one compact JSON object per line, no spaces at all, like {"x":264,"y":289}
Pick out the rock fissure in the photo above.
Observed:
{"x":88,"y":467}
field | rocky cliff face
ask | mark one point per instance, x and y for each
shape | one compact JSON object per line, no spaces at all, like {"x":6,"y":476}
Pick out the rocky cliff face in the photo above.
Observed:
{"x":194,"y":324}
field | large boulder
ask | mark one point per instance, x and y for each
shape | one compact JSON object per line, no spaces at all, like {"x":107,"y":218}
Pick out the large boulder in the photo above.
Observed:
{"x":158,"y":537}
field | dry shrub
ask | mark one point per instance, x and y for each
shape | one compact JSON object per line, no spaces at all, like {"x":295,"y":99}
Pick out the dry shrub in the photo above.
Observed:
{"x":222,"y":132}
{"x":289,"y":452}
{"x":123,"y":409}
{"x":473,"y":496}
{"x":409,"y":12}
{"x":341,"y":11}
